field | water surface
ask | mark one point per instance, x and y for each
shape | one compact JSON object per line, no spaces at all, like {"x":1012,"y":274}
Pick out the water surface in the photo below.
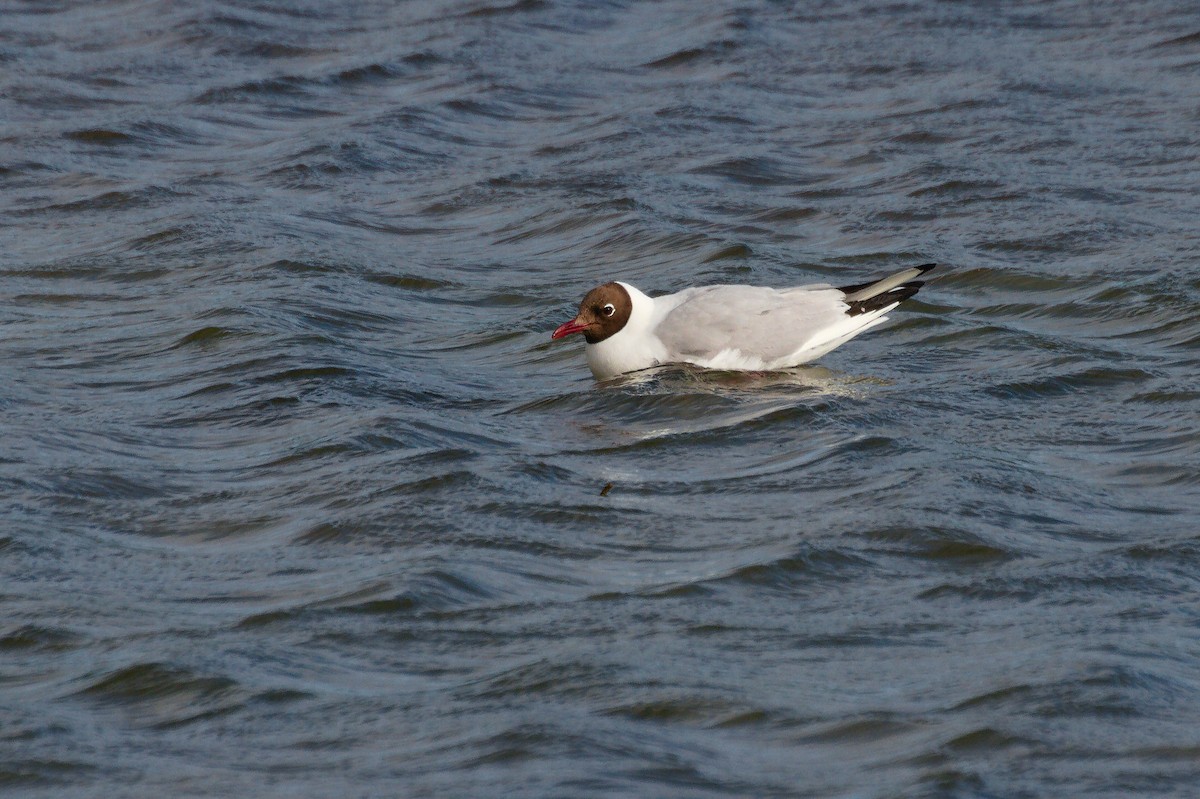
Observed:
{"x":299,"y":498}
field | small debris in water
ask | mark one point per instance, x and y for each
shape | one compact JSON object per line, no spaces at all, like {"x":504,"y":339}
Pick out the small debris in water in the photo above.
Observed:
{"x":604,"y":491}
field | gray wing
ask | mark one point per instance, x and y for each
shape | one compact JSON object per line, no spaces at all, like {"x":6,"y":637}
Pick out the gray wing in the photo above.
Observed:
{"x":765,"y":322}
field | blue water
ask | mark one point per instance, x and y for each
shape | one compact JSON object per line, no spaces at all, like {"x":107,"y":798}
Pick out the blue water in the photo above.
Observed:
{"x":299,"y":499}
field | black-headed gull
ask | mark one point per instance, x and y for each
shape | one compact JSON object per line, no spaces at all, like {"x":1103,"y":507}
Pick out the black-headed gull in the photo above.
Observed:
{"x":748,"y":328}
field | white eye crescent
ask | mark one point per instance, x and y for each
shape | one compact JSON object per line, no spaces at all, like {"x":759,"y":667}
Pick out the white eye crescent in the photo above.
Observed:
{"x":608,"y":309}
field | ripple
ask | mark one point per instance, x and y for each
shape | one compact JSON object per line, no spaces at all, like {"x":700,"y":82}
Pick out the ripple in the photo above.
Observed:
{"x":33,"y":772}
{"x":205,"y":335}
{"x":960,"y":190}
{"x":39,"y":639}
{"x":487,"y":10}
{"x":162,"y":696}
{"x":796,"y":571}
{"x":690,"y":55}
{"x":411,"y":282}
{"x":428,"y":593}
{"x":985,"y":740}
{"x":750,"y":171}
{"x":542,"y":677}
{"x":1089,"y":379}
{"x":947,"y":547}
{"x":874,"y":728}
{"x":112,"y":201}
{"x":99,"y":483}
{"x":1187,"y":40}
{"x":1185,"y":551}
{"x":99,"y":136}
{"x":687,"y":710}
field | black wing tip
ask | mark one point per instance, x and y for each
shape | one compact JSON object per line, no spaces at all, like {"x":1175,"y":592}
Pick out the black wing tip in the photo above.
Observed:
{"x":923,"y":269}
{"x":892,"y":296}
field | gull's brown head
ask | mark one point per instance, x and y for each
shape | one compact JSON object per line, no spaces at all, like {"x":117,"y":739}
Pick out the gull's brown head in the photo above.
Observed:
{"x":603,"y":312}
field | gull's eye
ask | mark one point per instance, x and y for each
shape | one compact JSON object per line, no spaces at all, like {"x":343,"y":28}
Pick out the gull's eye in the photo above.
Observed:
{"x":608,"y":309}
